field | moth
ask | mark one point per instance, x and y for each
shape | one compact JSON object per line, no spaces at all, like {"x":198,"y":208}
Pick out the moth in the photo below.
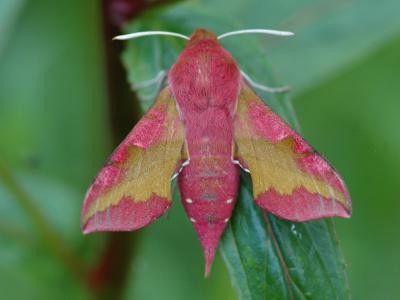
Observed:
{"x":206,"y":124}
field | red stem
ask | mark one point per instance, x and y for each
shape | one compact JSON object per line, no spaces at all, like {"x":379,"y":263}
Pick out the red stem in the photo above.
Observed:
{"x":108,"y":277}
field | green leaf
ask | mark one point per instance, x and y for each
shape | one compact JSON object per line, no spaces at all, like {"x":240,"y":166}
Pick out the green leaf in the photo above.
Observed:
{"x":266,"y":257}
{"x":269,"y":258}
{"x":329,"y":34}
{"x":364,"y":145}
{"x":54,"y":137}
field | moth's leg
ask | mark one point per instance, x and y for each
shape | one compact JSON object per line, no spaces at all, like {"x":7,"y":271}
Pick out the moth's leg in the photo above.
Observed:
{"x":281,"y":89}
{"x":157,"y":81}
{"x":186,"y":161}
{"x":184,"y":164}
{"x":147,"y":83}
{"x":237,"y":162}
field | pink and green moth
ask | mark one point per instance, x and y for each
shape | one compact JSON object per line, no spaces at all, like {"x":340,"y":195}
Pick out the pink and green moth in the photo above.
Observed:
{"x":206,"y":124}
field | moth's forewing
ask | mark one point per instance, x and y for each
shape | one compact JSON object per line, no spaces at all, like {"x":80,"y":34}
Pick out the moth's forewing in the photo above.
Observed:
{"x":289,"y":178}
{"x":134,"y":188}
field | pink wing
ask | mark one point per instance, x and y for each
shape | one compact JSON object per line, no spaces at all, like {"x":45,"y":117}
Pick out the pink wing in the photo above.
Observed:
{"x":289,"y":178}
{"x":133,"y":189}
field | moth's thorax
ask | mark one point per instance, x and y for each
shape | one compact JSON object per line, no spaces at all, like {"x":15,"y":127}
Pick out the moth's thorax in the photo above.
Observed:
{"x":204,"y":76}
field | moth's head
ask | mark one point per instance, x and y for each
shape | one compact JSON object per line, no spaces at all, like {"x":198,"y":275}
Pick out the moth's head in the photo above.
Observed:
{"x":201,"y":35}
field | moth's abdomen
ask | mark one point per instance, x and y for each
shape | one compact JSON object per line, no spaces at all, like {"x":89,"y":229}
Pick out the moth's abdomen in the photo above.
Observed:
{"x":208,"y":188}
{"x":205,"y":83}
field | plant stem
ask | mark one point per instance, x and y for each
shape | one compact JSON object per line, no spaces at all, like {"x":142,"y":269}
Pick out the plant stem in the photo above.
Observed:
{"x":108,"y":277}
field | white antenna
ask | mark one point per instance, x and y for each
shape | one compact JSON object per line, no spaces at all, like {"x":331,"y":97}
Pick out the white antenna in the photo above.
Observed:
{"x":263,"y":31}
{"x":148,"y":33}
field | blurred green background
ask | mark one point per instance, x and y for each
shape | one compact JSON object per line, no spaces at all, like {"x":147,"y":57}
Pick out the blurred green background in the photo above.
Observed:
{"x":57,"y":127}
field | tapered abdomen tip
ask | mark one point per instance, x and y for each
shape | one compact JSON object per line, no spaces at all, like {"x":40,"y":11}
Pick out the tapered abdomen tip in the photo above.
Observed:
{"x":209,"y":235}
{"x":209,"y":255}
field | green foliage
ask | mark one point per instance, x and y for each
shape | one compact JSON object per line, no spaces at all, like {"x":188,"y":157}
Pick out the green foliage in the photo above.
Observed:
{"x":357,"y":116}
{"x":259,"y":268}
{"x":55,"y":136}
{"x":269,"y":258}
{"x":53,"y":139}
